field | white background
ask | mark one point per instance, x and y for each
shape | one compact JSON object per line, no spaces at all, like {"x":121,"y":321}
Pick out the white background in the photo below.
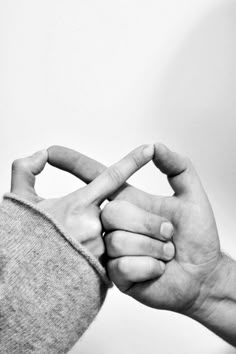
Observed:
{"x":105,"y":76}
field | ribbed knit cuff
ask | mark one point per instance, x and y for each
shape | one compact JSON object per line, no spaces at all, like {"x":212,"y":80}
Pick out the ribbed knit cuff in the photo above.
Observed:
{"x":51,"y":287}
{"x":75,"y":244}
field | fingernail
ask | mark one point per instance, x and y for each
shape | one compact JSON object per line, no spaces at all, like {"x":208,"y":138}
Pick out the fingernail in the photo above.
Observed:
{"x":167,"y":230}
{"x":162,"y":265}
{"x":148,"y":151}
{"x":169,"y":250}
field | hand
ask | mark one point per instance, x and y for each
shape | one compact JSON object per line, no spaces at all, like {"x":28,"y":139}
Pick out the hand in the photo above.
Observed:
{"x":136,"y":242}
{"x":200,"y":281}
{"x":188,"y":278}
{"x":78,"y":212}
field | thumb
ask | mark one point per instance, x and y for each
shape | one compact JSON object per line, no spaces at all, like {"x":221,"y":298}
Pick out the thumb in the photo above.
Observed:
{"x":181,"y":174}
{"x":24,"y":171}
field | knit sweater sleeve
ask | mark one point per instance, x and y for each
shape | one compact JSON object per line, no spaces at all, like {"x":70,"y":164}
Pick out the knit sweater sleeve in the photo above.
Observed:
{"x":51,"y":288}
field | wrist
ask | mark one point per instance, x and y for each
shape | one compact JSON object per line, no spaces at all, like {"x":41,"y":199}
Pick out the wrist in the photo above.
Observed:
{"x":212,"y":289}
{"x":216,"y":304}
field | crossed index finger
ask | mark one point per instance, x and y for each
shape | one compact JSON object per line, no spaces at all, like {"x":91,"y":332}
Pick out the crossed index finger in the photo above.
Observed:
{"x":115,"y":176}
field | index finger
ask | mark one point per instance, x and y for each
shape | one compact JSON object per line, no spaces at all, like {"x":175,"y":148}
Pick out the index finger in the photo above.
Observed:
{"x":74,"y":162}
{"x":115,"y":176}
{"x":87,"y":169}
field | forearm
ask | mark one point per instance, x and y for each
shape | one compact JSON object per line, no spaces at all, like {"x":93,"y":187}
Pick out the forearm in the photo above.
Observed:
{"x":50,"y":289}
{"x":218,"y":309}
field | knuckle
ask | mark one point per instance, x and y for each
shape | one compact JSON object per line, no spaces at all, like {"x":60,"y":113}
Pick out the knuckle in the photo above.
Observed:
{"x":115,"y":174}
{"x":149,"y":223}
{"x":114,"y":244}
{"x":117,"y":273}
{"x":111,"y":212}
{"x":137,"y":159}
{"x":150,"y":247}
{"x":109,"y":208}
{"x":20,"y":164}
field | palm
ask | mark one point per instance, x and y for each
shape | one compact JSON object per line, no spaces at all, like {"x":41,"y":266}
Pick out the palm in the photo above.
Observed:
{"x":179,"y":286}
{"x":196,"y":239}
{"x":74,"y":215}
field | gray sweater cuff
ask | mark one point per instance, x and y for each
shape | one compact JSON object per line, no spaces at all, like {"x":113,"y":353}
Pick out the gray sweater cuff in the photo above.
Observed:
{"x":51,"y":287}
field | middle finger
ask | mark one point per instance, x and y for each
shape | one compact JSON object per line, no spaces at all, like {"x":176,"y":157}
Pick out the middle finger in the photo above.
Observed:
{"x":123,"y":243}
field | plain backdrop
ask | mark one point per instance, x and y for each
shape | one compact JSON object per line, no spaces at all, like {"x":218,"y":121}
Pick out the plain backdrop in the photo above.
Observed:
{"x":103,"y":77}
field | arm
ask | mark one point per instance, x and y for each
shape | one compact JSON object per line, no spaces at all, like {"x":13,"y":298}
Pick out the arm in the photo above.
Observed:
{"x":50,"y":291}
{"x":52,"y":284}
{"x":199,"y":282}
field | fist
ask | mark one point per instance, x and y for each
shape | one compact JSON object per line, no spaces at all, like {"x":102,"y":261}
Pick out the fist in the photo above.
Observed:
{"x":138,"y":243}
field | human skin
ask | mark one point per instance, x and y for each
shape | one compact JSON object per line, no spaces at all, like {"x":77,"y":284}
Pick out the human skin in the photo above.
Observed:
{"x":200,"y":281}
{"x":79,"y":212}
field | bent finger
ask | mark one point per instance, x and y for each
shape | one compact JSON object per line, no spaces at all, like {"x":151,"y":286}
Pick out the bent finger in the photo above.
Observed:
{"x":24,"y":171}
{"x":182,"y":176}
{"x":122,"y":215}
{"x":125,"y":271}
{"x":122,"y":243}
